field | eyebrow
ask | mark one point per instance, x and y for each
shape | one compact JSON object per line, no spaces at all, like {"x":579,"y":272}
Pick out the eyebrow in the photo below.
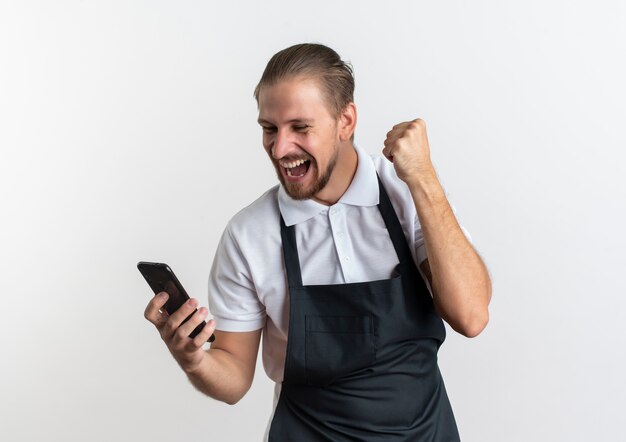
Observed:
{"x":293,"y":120}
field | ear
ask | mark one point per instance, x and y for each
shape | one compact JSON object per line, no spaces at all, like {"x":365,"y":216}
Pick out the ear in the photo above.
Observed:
{"x":347,"y":122}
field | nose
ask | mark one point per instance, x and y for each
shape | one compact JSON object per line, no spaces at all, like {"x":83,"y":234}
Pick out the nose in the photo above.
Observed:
{"x":282,"y":144}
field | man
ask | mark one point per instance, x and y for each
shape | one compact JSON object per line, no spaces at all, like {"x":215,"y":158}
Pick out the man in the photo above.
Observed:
{"x":324,"y":267}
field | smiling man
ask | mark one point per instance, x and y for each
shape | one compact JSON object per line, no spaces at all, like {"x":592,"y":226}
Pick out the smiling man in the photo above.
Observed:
{"x":325,"y":267}
{"x":306,"y":172}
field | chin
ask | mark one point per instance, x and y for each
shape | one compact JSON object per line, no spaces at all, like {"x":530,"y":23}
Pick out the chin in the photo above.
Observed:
{"x":298,"y":193}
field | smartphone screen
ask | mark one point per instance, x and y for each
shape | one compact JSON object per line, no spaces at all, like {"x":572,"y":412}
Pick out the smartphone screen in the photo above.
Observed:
{"x":161,"y":278}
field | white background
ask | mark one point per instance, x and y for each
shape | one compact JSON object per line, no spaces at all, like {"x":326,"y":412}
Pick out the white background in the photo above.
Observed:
{"x":128,"y":132}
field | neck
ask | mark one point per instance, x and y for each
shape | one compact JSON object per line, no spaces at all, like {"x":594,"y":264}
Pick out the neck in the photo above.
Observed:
{"x":342,"y":175}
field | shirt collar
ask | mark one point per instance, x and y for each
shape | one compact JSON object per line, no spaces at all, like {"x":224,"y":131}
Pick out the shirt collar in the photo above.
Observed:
{"x":363,"y":191}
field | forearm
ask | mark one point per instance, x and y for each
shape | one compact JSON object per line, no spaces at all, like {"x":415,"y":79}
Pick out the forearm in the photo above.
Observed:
{"x":221,"y":376}
{"x":460,"y":282}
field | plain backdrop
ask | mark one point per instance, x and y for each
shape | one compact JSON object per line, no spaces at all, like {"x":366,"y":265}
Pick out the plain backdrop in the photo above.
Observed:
{"x":128,"y":132}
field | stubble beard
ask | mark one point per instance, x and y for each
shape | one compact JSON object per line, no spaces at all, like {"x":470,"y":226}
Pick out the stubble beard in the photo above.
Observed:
{"x":297,"y":191}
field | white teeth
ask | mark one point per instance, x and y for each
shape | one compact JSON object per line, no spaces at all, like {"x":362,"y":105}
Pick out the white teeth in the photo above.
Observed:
{"x":292,"y":164}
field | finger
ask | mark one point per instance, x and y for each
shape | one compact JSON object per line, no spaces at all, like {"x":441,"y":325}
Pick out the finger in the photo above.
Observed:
{"x":205,"y":334}
{"x":195,"y":320}
{"x":153,"y":310}
{"x":175,"y":319}
{"x":419,"y":123}
{"x":388,"y":152}
{"x":401,"y":125}
{"x":392,"y":138}
{"x":393,"y":131}
{"x":418,"y":126}
{"x":387,"y":155}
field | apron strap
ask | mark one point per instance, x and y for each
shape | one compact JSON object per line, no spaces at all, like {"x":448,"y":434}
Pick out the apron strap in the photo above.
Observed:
{"x":290,"y":254}
{"x":393,"y":225}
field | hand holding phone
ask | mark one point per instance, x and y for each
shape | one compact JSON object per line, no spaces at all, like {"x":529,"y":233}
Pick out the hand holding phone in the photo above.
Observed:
{"x":161,"y":278}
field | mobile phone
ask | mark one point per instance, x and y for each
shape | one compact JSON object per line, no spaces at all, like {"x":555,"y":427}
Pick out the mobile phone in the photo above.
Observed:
{"x":161,"y":278}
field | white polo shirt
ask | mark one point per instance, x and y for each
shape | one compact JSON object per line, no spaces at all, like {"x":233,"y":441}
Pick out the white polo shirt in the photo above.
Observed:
{"x":343,"y":243}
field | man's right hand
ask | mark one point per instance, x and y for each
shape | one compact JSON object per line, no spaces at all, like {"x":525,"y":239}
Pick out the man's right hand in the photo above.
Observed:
{"x":225,"y":371}
{"x":187,"y":351}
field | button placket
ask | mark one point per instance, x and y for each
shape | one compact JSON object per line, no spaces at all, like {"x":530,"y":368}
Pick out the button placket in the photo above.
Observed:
{"x":338,"y":226}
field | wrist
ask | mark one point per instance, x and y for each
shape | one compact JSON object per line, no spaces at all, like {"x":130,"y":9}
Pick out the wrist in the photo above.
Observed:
{"x":426,"y":188}
{"x":196,"y":368}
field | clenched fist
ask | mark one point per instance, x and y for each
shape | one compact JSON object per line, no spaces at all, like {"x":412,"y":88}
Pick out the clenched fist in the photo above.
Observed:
{"x":406,"y":146}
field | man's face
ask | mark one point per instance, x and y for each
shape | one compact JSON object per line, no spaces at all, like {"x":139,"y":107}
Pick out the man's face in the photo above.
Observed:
{"x":299,"y":135}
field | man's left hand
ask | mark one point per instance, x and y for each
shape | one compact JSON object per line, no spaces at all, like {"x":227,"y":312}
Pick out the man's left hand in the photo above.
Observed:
{"x":406,"y":146}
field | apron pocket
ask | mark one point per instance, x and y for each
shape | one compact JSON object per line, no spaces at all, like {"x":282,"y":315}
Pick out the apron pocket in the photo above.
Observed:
{"x":336,"y":346}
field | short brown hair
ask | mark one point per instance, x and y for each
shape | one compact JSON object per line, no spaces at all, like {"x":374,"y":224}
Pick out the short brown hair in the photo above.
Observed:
{"x":317,"y":61}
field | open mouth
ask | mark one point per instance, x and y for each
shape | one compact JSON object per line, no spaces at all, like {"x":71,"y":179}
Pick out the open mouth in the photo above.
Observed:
{"x":297,"y":169}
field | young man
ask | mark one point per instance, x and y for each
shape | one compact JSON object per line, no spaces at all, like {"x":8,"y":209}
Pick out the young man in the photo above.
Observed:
{"x":324,"y":264}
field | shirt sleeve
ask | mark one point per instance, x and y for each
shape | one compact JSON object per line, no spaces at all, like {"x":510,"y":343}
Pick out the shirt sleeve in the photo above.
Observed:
{"x":233,"y":300}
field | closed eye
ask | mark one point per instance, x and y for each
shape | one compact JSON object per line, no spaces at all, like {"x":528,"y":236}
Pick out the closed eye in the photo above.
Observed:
{"x":272,"y":129}
{"x":268,"y":129}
